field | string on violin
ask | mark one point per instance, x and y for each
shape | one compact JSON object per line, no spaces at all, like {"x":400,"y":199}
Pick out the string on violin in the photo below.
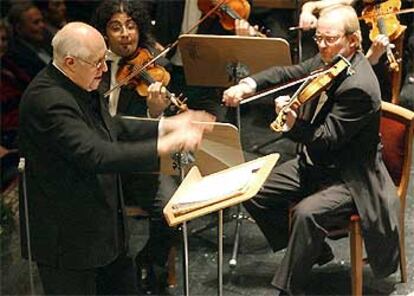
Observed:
{"x":228,"y":11}
{"x":148,"y":76}
{"x":311,"y":88}
{"x":382,"y":20}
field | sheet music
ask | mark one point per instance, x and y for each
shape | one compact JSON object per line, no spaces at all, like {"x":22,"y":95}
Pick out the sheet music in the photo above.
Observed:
{"x":217,"y":187}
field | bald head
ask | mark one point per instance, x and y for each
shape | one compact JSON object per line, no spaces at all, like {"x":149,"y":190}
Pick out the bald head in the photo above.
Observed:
{"x":76,"y":39}
{"x":79,"y":51}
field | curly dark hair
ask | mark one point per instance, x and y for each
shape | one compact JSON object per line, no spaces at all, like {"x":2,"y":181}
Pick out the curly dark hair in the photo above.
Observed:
{"x":135,"y":9}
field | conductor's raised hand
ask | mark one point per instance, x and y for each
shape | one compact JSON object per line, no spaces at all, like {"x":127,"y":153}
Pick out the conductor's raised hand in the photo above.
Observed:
{"x":183,"y":132}
{"x":235,"y":94}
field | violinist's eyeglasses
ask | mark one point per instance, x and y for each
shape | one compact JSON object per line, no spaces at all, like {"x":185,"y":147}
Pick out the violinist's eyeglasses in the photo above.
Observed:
{"x":118,"y":27}
{"x":99,"y":64}
{"x":329,"y":40}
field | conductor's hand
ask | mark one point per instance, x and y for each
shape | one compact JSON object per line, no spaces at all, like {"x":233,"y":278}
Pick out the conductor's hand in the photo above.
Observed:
{"x":290,"y":112}
{"x":233,"y":95}
{"x":307,"y":20}
{"x":156,"y":100}
{"x":183,"y":132}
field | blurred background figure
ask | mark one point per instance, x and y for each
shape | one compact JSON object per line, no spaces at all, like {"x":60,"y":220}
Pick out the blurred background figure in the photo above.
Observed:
{"x":30,"y":46}
{"x":13,"y":82}
{"x":54,"y":14}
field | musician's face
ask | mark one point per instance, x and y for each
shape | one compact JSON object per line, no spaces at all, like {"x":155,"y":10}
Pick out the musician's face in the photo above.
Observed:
{"x":331,"y":39}
{"x":122,"y":35}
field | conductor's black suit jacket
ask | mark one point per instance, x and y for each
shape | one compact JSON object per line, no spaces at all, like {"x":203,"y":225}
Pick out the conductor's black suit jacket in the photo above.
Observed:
{"x":345,"y":134}
{"x":74,"y":152}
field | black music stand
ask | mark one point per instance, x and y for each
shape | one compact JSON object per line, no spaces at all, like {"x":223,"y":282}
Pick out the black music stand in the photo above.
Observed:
{"x":221,"y":61}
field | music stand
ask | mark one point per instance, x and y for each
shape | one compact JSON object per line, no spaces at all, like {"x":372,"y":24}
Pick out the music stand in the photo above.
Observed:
{"x":259,"y":168}
{"x":221,"y":61}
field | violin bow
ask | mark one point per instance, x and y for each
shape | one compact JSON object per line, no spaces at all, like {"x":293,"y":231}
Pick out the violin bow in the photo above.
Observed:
{"x":138,"y":70}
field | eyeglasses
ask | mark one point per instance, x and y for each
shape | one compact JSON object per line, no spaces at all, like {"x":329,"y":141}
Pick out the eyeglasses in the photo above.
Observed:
{"x":117,"y":27}
{"x":97,"y":65}
{"x":329,"y":40}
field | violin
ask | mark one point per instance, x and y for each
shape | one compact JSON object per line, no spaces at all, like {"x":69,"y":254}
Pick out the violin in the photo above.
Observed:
{"x":146,"y":77}
{"x":311,"y":88}
{"x":382,"y":20}
{"x":228,"y":11}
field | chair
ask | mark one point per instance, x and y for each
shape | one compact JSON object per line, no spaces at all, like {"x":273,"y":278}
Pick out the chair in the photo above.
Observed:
{"x":397,"y":128}
{"x":138,"y":212}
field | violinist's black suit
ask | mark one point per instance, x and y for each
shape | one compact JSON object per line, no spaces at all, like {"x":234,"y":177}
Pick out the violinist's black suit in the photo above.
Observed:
{"x":74,"y":152}
{"x":339,"y":170}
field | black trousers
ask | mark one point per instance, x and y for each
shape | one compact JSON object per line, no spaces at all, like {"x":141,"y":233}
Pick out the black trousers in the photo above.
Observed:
{"x":116,"y":278}
{"x":321,"y":202}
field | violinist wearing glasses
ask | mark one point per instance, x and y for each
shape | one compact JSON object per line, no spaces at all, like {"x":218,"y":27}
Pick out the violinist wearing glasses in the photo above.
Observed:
{"x":338,"y":159}
{"x":125,"y":27}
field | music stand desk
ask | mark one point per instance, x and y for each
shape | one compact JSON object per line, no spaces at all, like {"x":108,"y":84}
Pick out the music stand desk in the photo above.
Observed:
{"x":214,"y":60}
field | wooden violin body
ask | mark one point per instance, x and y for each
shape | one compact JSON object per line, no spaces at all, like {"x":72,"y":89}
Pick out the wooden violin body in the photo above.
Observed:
{"x":310,"y":89}
{"x":153,"y":73}
{"x":144,"y":78}
{"x":229,"y":11}
{"x":383,"y":20}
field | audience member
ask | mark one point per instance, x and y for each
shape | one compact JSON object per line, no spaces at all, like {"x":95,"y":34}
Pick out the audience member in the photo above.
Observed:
{"x":30,"y":45}
{"x":54,"y":13}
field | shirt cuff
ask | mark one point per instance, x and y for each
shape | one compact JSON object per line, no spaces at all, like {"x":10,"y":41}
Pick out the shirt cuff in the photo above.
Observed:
{"x":250,"y":82}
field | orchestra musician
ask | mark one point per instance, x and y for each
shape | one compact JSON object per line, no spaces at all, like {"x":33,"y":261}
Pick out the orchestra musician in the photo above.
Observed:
{"x":338,"y":169}
{"x":74,"y":153}
{"x":126,"y":29}
{"x":387,"y":70}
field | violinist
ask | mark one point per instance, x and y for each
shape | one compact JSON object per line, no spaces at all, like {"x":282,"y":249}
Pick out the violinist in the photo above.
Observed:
{"x":125,"y":27}
{"x":173,"y":18}
{"x":338,"y":158}
{"x":386,"y":66}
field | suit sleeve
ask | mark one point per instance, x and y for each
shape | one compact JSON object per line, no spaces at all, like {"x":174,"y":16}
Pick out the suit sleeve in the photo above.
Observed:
{"x":278,"y":75}
{"x":60,"y":124}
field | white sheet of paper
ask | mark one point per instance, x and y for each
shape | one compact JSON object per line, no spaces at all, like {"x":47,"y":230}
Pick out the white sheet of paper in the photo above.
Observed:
{"x":218,"y":185}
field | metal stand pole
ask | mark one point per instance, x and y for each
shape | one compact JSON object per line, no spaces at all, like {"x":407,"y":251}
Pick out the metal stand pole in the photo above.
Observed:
{"x":180,"y":160}
{"x":21,"y":168}
{"x":239,"y":216}
{"x":186,"y":286}
{"x":220,"y":253}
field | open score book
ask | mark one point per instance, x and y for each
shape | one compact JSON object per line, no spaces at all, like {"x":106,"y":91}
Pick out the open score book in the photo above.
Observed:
{"x":216,"y":187}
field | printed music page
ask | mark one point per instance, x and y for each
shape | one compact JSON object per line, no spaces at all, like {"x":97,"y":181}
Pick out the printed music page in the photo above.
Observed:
{"x":216,"y":187}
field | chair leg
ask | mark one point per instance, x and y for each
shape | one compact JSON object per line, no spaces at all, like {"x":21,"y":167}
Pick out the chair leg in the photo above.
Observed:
{"x":356,"y":258}
{"x":403,"y":263}
{"x":172,"y":275}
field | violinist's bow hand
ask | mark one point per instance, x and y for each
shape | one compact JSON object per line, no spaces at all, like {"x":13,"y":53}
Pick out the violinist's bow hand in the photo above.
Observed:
{"x":235,"y":94}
